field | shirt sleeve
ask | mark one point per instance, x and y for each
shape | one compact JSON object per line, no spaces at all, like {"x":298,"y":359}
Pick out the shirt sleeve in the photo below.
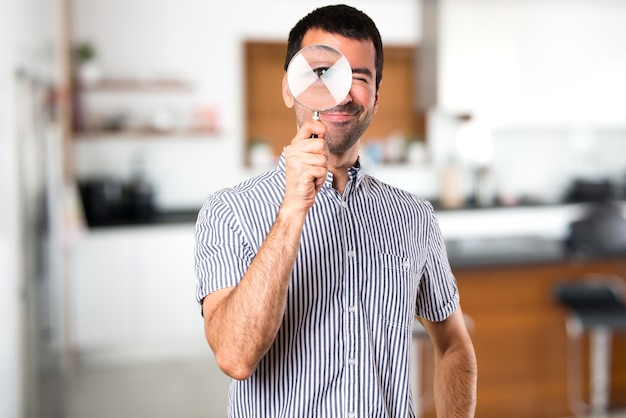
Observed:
{"x":438,"y":295}
{"x":222,"y":255}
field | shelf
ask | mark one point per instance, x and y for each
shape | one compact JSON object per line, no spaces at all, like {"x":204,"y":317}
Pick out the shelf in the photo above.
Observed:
{"x":144,"y":133}
{"x":129,"y":115}
{"x":138,"y":86}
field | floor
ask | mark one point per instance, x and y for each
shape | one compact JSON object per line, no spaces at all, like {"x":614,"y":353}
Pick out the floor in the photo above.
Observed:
{"x":189,"y":388}
{"x":183,"y":388}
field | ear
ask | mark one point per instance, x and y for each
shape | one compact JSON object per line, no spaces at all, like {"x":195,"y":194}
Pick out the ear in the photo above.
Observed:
{"x":287,"y":97}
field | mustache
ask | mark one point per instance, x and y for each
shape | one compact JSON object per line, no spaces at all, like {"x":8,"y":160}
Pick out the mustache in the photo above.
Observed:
{"x":349,"y":108}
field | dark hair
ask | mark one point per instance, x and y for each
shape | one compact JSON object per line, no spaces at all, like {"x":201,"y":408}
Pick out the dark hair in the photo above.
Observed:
{"x":342,"y":20}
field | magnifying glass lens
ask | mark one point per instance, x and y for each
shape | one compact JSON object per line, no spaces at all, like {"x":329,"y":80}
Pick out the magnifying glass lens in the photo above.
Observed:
{"x":319,"y":77}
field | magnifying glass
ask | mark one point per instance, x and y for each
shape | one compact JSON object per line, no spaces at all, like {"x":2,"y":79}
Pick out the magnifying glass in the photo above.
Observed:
{"x":319,"y":77}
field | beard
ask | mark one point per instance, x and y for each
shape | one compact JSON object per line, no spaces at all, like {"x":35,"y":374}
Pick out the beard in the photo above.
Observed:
{"x":342,"y":136}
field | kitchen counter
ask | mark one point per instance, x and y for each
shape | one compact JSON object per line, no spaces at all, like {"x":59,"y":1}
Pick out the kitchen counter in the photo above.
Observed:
{"x":504,"y":251}
{"x":509,"y":236}
{"x":487,"y":237}
{"x":158,"y":218}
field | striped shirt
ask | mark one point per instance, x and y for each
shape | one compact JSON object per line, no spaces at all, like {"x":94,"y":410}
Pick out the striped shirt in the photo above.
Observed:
{"x":369,"y":260}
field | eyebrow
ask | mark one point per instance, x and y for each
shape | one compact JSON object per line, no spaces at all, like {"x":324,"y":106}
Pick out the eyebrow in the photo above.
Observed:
{"x":364,"y":71}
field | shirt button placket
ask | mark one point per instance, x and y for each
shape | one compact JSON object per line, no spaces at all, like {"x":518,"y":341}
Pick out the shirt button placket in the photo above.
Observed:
{"x":351,"y":302}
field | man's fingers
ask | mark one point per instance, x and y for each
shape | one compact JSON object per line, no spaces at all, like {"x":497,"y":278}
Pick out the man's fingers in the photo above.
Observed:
{"x":308,"y":129}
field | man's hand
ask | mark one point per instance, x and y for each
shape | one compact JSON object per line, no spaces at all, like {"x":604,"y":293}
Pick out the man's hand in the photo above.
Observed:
{"x":306,"y":161}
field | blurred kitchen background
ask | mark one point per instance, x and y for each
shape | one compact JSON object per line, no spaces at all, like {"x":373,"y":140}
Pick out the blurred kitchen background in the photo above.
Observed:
{"x":119,"y":117}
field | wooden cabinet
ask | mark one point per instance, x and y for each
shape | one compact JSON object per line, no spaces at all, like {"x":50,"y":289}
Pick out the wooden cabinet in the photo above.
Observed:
{"x":268,"y":120}
{"x":520,"y":340}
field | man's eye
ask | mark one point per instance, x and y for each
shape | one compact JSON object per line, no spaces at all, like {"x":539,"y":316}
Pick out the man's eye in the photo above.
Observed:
{"x":320,"y":71}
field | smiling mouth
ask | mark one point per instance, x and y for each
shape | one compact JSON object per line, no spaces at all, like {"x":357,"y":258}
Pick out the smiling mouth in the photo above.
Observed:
{"x":336,"y":117}
{"x":339,"y":114}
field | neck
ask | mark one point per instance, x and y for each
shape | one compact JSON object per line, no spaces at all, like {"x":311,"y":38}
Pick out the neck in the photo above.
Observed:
{"x":339,"y":164}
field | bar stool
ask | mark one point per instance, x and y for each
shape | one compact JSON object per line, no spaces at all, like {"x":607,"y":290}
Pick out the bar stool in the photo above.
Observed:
{"x":595,"y":304}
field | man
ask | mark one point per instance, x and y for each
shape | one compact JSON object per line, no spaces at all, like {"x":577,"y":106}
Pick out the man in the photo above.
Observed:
{"x":310,"y":275}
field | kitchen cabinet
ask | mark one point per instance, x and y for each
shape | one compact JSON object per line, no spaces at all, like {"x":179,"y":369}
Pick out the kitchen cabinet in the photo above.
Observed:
{"x":520,"y":339}
{"x":269,"y":121}
{"x":133,"y":293}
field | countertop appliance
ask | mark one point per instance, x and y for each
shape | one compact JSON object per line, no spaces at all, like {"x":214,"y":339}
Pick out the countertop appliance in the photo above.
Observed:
{"x":109,"y":201}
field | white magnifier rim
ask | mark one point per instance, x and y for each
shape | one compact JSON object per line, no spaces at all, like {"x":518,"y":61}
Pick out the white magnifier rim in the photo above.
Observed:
{"x":319,"y":77}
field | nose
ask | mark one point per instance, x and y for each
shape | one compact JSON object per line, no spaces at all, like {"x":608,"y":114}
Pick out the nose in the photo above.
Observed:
{"x":346,"y":100}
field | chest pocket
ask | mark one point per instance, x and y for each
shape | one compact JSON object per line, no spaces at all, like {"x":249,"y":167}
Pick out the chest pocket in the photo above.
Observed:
{"x":395,"y":281}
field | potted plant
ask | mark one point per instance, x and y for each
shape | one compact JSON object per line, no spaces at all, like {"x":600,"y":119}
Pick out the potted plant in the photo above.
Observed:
{"x":87,"y":67}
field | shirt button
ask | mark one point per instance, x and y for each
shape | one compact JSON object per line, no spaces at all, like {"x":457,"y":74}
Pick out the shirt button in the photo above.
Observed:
{"x":351,"y":254}
{"x":344,"y":203}
{"x":351,"y":362}
{"x":352,"y":308}
{"x":351,"y":415}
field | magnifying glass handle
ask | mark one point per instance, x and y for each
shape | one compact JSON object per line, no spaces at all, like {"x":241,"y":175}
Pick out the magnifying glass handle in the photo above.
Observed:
{"x":316,"y":116}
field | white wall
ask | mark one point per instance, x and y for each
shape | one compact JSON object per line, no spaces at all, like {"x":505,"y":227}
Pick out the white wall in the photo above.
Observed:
{"x":543,"y":63}
{"x":544,"y":73}
{"x":26,"y":42}
{"x":203,"y":42}
{"x":10,"y":376}
{"x":547,"y":76}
